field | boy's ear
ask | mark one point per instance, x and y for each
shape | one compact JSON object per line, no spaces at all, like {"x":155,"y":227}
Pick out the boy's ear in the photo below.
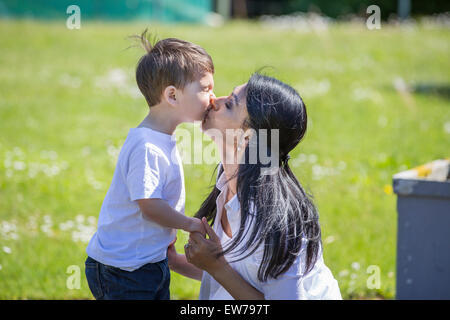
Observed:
{"x":170,"y":95}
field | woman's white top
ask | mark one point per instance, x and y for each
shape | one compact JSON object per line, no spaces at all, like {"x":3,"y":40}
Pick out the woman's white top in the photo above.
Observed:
{"x":319,"y":283}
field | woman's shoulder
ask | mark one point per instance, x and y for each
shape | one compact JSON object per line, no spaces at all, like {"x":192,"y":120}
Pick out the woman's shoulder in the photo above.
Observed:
{"x":320,"y":283}
{"x":296,"y":283}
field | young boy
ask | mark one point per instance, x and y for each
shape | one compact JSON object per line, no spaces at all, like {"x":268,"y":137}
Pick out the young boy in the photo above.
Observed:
{"x":145,"y":202}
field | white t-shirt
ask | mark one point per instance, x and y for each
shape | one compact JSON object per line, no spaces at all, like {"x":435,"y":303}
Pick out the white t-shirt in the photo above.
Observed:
{"x":149,"y":166}
{"x":319,"y":283}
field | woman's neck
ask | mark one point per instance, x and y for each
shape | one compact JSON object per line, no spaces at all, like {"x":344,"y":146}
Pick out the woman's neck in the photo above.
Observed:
{"x":232,"y":180}
{"x":230,"y":171}
{"x":231,"y":167}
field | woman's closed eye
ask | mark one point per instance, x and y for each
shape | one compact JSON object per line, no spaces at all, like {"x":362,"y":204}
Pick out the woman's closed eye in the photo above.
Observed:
{"x":229,"y":102}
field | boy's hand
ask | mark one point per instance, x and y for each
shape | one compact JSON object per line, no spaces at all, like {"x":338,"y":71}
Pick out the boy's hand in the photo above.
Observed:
{"x":172,"y":254}
{"x":196,"y":225}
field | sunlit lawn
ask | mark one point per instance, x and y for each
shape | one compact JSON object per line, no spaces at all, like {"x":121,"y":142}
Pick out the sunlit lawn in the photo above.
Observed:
{"x":68,"y":99}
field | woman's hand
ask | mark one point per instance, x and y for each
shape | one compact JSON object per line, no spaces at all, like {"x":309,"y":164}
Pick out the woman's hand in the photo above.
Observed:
{"x":202,"y":252}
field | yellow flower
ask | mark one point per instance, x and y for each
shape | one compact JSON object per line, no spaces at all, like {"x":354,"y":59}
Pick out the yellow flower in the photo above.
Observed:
{"x":388,"y":189}
{"x":423,"y":171}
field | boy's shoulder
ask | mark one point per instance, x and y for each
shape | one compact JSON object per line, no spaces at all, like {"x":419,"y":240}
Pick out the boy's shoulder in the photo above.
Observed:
{"x":143,"y":140}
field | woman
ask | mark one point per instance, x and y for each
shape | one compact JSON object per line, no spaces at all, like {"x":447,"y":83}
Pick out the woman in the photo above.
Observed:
{"x":265,"y":242}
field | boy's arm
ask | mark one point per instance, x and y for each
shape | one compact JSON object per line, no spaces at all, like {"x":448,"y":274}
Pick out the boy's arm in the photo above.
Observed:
{"x":159,"y":211}
{"x":179,"y":264}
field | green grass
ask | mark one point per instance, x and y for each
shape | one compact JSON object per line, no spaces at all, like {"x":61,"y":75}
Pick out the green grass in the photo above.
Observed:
{"x":62,"y":121}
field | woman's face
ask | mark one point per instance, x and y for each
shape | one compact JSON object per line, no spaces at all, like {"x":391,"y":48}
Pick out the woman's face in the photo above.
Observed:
{"x":226,"y":113}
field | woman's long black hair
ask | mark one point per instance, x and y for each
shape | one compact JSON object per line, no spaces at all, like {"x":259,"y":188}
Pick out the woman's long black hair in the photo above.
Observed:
{"x":280,"y":211}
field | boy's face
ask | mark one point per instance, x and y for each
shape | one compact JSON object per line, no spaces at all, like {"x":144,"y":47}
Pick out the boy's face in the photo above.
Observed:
{"x":195,"y":98}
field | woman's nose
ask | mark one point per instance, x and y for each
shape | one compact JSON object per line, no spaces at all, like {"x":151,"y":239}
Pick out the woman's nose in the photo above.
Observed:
{"x":212,"y":103}
{"x":217,"y":103}
{"x":212,"y":100}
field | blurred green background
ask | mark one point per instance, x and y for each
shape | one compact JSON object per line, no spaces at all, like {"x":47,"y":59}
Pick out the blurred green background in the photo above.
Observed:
{"x":68,"y":99}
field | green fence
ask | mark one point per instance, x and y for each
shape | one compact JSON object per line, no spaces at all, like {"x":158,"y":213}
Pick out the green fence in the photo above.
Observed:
{"x":158,"y":10}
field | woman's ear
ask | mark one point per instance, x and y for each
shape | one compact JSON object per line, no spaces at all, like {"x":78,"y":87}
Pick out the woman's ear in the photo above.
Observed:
{"x":244,"y":139}
{"x":248,"y":134}
{"x":170,"y":95}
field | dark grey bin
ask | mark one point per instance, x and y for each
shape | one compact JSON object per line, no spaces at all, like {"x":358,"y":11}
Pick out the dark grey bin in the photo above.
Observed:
{"x":423,"y":238}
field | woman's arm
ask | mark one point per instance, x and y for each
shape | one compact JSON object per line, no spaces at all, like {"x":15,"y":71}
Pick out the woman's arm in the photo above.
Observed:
{"x":202,"y":252}
{"x":233,"y":282}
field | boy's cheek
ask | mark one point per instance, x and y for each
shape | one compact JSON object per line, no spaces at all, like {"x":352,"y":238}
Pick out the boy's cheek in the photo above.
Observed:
{"x":205,"y":100}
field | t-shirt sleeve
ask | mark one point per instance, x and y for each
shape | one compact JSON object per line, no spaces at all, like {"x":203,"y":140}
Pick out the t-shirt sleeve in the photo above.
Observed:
{"x":146,"y":173}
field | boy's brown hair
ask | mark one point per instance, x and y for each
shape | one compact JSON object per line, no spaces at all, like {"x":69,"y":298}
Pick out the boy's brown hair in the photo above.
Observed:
{"x":169,"y":62}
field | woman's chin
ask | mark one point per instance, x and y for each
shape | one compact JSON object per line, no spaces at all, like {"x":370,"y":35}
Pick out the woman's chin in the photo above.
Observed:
{"x":206,"y":124}
{"x":209,"y":130}
{"x":206,"y":129}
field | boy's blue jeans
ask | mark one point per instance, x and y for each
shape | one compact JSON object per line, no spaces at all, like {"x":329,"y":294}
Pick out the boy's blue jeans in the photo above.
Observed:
{"x":149,"y":282}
